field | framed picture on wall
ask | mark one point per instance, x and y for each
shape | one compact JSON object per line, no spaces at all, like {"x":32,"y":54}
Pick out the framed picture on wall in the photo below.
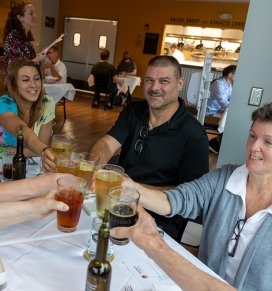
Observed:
{"x":151,"y":43}
{"x":49,"y":21}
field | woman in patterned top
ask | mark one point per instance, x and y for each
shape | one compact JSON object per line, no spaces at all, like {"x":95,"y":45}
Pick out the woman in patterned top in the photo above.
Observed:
{"x":26,"y":104}
{"x":17,"y":34}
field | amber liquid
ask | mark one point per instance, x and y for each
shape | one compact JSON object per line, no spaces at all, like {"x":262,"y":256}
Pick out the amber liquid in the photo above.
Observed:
{"x":68,"y":220}
{"x":61,"y":149}
{"x":68,"y":166}
{"x":104,"y":180}
{"x":86,"y":172}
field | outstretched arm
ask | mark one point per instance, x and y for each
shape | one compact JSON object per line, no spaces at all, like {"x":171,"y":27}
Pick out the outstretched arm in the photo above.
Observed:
{"x":105,"y":148}
{"x":145,"y":235}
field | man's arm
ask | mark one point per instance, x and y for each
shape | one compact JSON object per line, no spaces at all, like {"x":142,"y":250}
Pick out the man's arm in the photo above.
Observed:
{"x":145,"y":235}
{"x":28,"y":188}
{"x":105,"y":148}
{"x":34,"y":209}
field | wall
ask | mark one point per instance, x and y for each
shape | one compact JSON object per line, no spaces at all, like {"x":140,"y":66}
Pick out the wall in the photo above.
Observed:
{"x":134,"y":16}
{"x":254,"y":69}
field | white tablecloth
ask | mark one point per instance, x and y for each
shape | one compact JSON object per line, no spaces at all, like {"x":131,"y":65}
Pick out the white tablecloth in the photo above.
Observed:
{"x":37,"y":256}
{"x":59,"y":90}
{"x":128,"y":82}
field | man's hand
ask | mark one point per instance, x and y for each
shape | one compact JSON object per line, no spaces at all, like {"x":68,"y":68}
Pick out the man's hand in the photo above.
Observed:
{"x":43,"y":206}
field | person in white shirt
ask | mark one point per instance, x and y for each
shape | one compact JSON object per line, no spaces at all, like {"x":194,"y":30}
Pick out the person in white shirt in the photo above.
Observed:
{"x":54,"y":66}
{"x":176,"y":53}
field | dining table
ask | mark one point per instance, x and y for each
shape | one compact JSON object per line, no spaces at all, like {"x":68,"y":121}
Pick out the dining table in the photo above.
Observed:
{"x":35,"y":255}
{"x":58,"y":90}
{"x":127,"y":84}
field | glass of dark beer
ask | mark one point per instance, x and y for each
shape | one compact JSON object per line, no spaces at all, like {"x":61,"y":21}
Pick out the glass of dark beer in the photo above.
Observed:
{"x":123,"y":203}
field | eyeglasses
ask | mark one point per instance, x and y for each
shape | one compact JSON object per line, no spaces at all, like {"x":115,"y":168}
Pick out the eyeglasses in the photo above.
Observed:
{"x":139,"y":145}
{"x":237,"y":231}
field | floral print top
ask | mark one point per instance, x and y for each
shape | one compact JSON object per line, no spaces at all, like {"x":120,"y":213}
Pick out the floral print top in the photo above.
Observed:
{"x":16,"y":45}
{"x":7,"y":104}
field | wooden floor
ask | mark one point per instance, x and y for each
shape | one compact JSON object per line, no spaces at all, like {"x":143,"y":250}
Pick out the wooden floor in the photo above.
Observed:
{"x":86,"y":124}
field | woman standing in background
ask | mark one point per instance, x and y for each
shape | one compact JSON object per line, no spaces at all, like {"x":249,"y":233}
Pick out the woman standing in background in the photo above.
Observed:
{"x":18,"y":37}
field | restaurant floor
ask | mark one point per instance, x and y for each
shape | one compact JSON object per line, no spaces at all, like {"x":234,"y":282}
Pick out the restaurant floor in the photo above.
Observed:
{"x":86,"y":124}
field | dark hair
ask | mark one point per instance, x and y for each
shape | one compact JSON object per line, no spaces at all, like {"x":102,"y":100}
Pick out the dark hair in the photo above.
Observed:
{"x":37,"y":107}
{"x":173,"y":45}
{"x":228,"y":70}
{"x":263,"y":114}
{"x":165,"y":61}
{"x":13,"y":23}
{"x":104,"y":55}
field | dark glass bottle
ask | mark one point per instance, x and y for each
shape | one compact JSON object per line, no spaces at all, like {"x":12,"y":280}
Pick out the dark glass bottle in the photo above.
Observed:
{"x":99,"y":269}
{"x":19,"y":160}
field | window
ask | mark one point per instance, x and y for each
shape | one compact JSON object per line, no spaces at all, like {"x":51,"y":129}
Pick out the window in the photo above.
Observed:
{"x":102,"y":44}
{"x":76,"y":39}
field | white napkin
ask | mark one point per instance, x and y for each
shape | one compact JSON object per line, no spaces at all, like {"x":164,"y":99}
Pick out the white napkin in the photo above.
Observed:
{"x":3,"y":275}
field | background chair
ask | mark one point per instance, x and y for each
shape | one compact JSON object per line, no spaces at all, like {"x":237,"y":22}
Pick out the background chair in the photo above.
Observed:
{"x":102,"y":85}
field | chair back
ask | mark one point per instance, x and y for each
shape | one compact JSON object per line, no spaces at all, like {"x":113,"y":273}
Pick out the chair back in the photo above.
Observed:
{"x":103,"y":83}
{"x":193,"y":88}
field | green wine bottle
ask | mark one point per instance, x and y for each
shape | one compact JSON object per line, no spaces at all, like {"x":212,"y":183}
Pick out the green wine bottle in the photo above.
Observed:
{"x":19,"y":160}
{"x":99,"y":269}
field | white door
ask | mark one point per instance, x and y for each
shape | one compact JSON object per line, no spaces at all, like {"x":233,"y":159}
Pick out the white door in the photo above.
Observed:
{"x":81,"y":46}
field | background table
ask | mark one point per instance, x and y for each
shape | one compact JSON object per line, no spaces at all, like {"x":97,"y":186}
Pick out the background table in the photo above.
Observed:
{"x":127,"y":83}
{"x":59,"y":90}
{"x":39,"y":257}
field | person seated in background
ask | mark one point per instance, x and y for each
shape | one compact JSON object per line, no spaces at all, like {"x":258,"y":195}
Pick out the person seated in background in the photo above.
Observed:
{"x":29,"y":199}
{"x":127,"y":67}
{"x":54,"y":66}
{"x":26,"y":104}
{"x":105,"y":69}
{"x":176,"y":53}
{"x":236,"y":204}
{"x":161,"y":143}
{"x":220,"y":93}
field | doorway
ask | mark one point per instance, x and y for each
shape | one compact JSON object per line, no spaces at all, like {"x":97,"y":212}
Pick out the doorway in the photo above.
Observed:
{"x":82,"y":45}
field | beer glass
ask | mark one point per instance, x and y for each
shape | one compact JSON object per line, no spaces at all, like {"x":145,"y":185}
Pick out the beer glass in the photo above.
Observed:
{"x":70,"y":190}
{"x":106,"y":177}
{"x":123,"y":203}
{"x":63,"y":145}
{"x":68,"y":165}
{"x":87,"y":164}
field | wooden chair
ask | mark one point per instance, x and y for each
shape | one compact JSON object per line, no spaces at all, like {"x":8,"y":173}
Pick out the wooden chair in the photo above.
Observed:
{"x":62,"y":102}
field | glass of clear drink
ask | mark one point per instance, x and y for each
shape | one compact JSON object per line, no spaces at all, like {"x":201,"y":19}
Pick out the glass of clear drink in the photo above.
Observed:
{"x":63,"y":145}
{"x":106,"y":177}
{"x":87,"y":165}
{"x":123,"y":203}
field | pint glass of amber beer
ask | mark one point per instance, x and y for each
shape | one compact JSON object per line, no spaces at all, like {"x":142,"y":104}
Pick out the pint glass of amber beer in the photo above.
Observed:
{"x":106,"y":177}
{"x":70,"y":190}
{"x":62,"y":145}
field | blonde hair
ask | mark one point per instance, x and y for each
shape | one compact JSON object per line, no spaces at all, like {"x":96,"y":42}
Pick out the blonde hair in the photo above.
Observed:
{"x":37,"y":107}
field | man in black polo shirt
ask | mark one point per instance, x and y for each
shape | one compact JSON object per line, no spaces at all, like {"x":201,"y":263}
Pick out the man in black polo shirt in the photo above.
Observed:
{"x":162,"y":145}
